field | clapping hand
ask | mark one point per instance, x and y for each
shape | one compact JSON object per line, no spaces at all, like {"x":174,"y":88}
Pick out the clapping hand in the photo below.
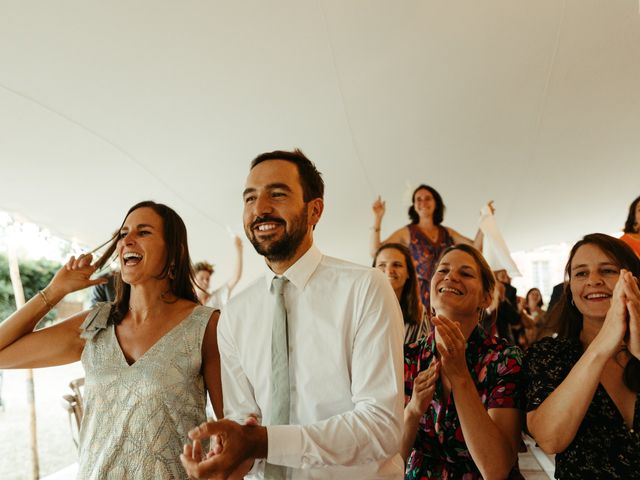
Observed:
{"x":423,"y":387}
{"x":613,"y":331}
{"x":451,"y":345}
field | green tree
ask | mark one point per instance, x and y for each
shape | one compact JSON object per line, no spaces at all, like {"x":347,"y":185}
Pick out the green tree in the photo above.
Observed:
{"x":35,"y":275}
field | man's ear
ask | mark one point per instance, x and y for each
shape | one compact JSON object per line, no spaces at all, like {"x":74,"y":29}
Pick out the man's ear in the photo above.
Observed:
{"x":315,"y":208}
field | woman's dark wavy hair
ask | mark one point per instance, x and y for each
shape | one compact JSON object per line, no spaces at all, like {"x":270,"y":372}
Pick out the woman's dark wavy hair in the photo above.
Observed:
{"x":526,"y":298}
{"x":177,"y":266}
{"x":567,"y":318}
{"x":630,"y":226}
{"x":438,"y":213}
{"x":410,"y":297}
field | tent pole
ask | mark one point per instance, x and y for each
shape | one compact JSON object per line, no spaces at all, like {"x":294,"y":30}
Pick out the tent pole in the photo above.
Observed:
{"x":18,"y":292}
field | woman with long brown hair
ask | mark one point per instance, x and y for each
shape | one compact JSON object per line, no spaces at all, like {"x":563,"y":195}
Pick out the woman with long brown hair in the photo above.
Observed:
{"x":148,"y":356}
{"x":394,"y":260}
{"x":583,"y":388}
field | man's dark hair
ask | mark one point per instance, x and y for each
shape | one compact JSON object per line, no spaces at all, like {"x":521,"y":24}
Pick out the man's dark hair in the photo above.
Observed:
{"x":310,"y":178}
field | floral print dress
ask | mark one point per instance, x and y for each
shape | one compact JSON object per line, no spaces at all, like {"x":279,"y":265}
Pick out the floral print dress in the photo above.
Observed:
{"x":440,"y":451}
{"x":425,"y":254}
{"x":603,"y":448}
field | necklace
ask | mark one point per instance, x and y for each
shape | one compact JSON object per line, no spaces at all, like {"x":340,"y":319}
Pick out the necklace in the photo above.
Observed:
{"x":431,"y":234}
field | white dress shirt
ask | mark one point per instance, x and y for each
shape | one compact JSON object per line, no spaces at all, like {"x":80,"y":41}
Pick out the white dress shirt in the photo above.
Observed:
{"x":218,"y":298}
{"x":345,"y":368}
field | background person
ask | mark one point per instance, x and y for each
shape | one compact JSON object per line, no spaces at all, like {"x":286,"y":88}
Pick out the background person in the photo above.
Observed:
{"x":532,"y":315}
{"x":425,"y":236}
{"x":394,"y":260}
{"x":631,"y":234}
{"x":219,"y":297}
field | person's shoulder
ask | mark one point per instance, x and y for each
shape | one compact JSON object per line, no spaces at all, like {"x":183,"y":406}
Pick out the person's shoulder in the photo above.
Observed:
{"x":246,"y":294}
{"x":341,"y":264}
{"x":497,"y":348}
{"x":346,"y":269}
{"x":557,"y":350}
{"x":553,"y":344}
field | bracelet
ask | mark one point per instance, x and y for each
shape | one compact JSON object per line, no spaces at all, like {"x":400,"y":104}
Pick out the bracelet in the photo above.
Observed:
{"x":375,"y":229}
{"x":45,"y":299}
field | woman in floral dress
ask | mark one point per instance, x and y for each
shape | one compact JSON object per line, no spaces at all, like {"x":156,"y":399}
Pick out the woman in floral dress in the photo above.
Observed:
{"x":425,"y":237}
{"x":463,"y":388}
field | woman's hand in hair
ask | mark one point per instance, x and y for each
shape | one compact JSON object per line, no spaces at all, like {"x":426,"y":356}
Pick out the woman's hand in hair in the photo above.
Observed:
{"x":632,"y":292}
{"x":73,"y":276}
{"x":423,"y":387}
{"x":451,"y":347}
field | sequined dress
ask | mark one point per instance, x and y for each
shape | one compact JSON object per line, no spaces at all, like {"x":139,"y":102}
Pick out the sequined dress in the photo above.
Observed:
{"x":137,"y":416}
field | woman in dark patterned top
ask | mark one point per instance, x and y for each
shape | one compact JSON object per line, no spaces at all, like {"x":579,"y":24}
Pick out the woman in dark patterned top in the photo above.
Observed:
{"x":463,"y":389}
{"x":425,"y":236}
{"x":582,"y":387}
{"x":394,"y":260}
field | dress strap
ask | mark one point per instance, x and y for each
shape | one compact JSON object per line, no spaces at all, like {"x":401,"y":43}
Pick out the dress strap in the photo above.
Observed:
{"x":97,"y":320}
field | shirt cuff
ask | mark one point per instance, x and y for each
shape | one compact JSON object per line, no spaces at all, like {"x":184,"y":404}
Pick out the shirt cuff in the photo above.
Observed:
{"x":284,"y":445}
{"x":257,"y":470}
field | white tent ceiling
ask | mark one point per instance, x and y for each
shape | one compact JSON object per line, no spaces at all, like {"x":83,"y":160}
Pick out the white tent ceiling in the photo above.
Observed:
{"x":532,"y":104}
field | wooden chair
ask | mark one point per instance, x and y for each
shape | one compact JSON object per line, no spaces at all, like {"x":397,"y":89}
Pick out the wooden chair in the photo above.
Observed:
{"x":74,"y":407}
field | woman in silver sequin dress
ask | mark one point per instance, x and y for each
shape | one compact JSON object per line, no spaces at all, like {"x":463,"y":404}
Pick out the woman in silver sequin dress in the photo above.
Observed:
{"x":149,"y":356}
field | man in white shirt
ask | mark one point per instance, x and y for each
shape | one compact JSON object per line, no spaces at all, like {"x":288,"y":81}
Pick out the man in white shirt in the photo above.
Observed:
{"x":344,"y":334}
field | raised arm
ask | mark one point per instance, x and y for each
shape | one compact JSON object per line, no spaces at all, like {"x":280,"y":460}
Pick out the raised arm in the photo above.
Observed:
{"x":399,"y":236}
{"x":552,"y":424}
{"x":237,"y":269}
{"x":21,"y":347}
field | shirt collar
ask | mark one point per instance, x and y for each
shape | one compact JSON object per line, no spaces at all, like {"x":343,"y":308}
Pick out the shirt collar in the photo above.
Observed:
{"x":300,"y":272}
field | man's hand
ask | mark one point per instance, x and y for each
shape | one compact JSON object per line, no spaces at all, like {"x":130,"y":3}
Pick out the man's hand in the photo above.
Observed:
{"x":234,"y":448}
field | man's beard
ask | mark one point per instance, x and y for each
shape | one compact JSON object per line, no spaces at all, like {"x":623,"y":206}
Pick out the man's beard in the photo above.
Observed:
{"x":286,"y":247}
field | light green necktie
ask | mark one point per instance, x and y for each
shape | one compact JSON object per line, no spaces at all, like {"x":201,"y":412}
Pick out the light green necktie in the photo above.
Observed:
{"x":279,"y":371}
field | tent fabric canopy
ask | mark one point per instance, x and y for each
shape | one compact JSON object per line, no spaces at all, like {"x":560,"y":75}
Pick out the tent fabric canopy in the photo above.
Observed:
{"x":534,"y":105}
